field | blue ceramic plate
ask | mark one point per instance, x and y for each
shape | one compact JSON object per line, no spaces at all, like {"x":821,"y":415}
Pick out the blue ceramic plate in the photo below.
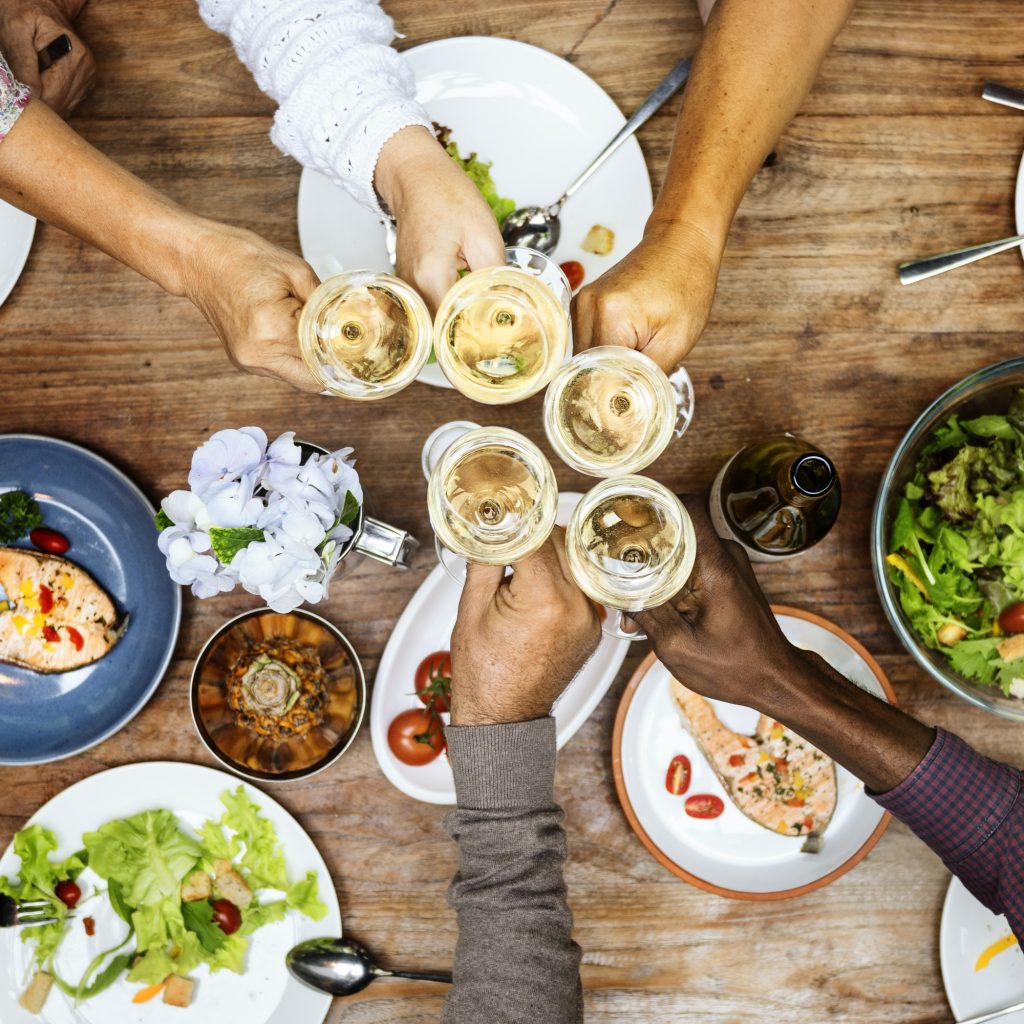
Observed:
{"x":110,"y":525}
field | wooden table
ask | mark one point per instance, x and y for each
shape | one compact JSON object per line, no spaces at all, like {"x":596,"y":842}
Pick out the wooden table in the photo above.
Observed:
{"x":893,"y":156}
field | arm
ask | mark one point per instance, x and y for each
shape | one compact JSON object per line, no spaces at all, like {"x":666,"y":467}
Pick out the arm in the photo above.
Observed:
{"x":347,"y":108}
{"x":754,"y":66}
{"x":249,"y":290}
{"x":515,"y":962}
{"x":968,"y":809}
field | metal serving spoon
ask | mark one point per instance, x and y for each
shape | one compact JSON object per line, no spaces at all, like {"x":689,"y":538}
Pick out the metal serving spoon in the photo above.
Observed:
{"x":918,"y":270}
{"x":343,"y":967}
{"x":538,"y":227}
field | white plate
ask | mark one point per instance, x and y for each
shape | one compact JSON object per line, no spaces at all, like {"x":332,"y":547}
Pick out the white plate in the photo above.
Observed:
{"x":265,"y":994}
{"x":1018,"y":203}
{"x":426,"y":626}
{"x":16,"y":231}
{"x":537,"y":117}
{"x":732,"y":855}
{"x":967,"y":930}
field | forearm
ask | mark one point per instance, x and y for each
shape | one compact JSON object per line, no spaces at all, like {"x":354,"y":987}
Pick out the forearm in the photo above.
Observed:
{"x":48,"y":170}
{"x":516,"y":962}
{"x":756,"y":63}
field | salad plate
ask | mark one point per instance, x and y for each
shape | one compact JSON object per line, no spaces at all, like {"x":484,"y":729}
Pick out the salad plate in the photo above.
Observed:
{"x":730,"y":855}
{"x":109,"y":524}
{"x":17,"y":229}
{"x":426,"y":627}
{"x":264,"y":994}
{"x":982,"y":965}
{"x":537,"y":118}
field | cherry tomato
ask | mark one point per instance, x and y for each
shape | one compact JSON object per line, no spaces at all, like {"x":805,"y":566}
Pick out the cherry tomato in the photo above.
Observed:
{"x":75,"y":637}
{"x":45,"y":599}
{"x":226,"y":916}
{"x":50,"y":541}
{"x":68,"y":893}
{"x":574,"y":272}
{"x":1011,"y":620}
{"x":50,"y":635}
{"x":677,"y":779}
{"x":704,"y":805}
{"x":434,"y":680}
{"x":416,"y":736}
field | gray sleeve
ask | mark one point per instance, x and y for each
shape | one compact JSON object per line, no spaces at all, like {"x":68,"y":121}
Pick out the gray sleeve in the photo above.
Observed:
{"x":516,"y":962}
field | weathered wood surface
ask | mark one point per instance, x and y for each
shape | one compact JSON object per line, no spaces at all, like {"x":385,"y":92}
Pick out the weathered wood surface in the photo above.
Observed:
{"x":894,"y":156}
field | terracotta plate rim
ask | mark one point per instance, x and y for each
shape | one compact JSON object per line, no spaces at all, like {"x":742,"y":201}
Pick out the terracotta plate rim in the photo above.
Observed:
{"x":663,"y":858}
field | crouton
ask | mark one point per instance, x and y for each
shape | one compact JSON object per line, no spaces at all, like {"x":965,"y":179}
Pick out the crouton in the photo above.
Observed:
{"x":950,"y":634}
{"x":1012,"y":648}
{"x":178,"y":991}
{"x":232,"y":886}
{"x":196,"y":887}
{"x":221,"y":867}
{"x":34,"y":997}
{"x":600,"y":240}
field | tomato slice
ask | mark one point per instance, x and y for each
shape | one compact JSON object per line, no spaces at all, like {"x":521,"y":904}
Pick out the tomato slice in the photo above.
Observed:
{"x":677,"y":779}
{"x":50,"y":635}
{"x":45,"y":599}
{"x":735,"y":760}
{"x":75,"y":637}
{"x":704,"y":805}
{"x":574,"y":273}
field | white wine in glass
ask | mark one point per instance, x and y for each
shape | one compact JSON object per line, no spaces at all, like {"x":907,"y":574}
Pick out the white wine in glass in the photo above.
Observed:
{"x":502,"y":332}
{"x":630,"y":543}
{"x":612,"y":410}
{"x":492,"y":497}
{"x":364,"y":335}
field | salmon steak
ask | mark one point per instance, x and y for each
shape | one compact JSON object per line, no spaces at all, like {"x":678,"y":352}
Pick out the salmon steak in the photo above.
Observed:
{"x":774,"y":777}
{"x":62,"y":618}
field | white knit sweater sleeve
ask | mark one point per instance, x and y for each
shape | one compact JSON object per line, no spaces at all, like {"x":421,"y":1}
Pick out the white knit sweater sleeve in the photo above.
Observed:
{"x":342,"y":90}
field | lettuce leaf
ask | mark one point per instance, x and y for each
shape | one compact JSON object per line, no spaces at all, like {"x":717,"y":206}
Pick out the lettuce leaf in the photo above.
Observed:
{"x":263,"y":860}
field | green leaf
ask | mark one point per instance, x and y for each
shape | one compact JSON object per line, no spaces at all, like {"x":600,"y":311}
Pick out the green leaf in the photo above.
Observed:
{"x":350,"y":510}
{"x":479,"y":172}
{"x":116,"y":896}
{"x":102,"y":981}
{"x":991,"y":426}
{"x":302,"y":896}
{"x":19,"y":513}
{"x":227,"y":541}
{"x":198,"y":918}
{"x":263,"y":859}
{"x":903,"y":536}
{"x":257,"y":914}
{"x":162,"y":519}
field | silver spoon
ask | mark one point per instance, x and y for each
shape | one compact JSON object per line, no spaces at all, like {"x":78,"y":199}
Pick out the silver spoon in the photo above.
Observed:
{"x":538,"y":227}
{"x":996,"y":93}
{"x":918,"y":270}
{"x":343,"y":967}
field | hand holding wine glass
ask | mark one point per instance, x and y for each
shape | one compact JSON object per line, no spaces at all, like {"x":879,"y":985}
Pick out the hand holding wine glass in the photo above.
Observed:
{"x":519,"y":640}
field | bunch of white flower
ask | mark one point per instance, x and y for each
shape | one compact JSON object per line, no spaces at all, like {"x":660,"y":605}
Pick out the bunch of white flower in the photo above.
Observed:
{"x":257,"y":515}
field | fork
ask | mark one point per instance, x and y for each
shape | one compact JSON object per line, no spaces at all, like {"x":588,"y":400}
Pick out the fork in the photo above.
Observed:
{"x":24,"y":912}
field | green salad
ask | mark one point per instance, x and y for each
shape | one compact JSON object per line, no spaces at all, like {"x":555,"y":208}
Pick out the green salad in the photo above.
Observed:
{"x":185,"y":900}
{"x":479,"y":172}
{"x":956,"y":547}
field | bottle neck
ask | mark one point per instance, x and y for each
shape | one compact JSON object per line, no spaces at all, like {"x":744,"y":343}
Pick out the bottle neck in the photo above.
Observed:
{"x":806,"y":479}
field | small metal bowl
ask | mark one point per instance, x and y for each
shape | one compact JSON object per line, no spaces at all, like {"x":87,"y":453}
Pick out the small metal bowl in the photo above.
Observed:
{"x":240,"y":747}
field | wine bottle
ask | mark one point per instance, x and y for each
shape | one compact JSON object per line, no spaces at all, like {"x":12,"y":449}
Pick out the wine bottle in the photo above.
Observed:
{"x":777,"y":497}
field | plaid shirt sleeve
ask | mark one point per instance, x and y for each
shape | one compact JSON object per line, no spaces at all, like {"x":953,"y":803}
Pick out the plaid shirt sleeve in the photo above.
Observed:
{"x":970,"y":811}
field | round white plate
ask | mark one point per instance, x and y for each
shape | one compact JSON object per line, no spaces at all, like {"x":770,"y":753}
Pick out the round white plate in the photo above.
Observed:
{"x":265,"y":994}
{"x":731,"y":855}
{"x":539,"y":119}
{"x":426,"y":626}
{"x":1018,"y":205}
{"x":16,"y":230}
{"x":967,"y":930}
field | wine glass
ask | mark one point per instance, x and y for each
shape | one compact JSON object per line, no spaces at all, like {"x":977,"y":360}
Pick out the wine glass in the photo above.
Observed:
{"x":364,"y":335}
{"x":612,"y":410}
{"x":492,"y":498}
{"x":502,"y":332}
{"x":630,"y":545}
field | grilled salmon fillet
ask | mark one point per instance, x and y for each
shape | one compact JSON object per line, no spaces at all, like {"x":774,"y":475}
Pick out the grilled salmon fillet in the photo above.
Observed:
{"x":774,"y":777}
{"x":62,"y":619}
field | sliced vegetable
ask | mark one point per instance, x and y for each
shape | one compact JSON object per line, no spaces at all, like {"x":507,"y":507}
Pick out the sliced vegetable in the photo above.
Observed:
{"x":677,"y":779}
{"x":704,"y":805}
{"x":149,"y":992}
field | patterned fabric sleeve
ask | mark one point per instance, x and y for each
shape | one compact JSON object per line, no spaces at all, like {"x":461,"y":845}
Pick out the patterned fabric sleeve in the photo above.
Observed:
{"x":14,"y":98}
{"x":970,"y":811}
{"x":342,"y":89}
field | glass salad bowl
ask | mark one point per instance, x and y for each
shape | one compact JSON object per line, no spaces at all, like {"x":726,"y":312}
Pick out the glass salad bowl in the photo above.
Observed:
{"x":987,"y":391}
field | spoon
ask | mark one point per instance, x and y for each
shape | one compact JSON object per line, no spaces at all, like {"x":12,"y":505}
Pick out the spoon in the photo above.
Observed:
{"x":918,"y":270}
{"x":538,"y":227}
{"x":343,"y":967}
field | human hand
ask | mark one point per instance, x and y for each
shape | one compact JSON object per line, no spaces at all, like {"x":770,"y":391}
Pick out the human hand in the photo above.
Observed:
{"x":720,"y":636}
{"x":444,"y":224}
{"x":252,"y":292}
{"x":27,"y":27}
{"x":518,"y":642}
{"x":656,"y":299}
